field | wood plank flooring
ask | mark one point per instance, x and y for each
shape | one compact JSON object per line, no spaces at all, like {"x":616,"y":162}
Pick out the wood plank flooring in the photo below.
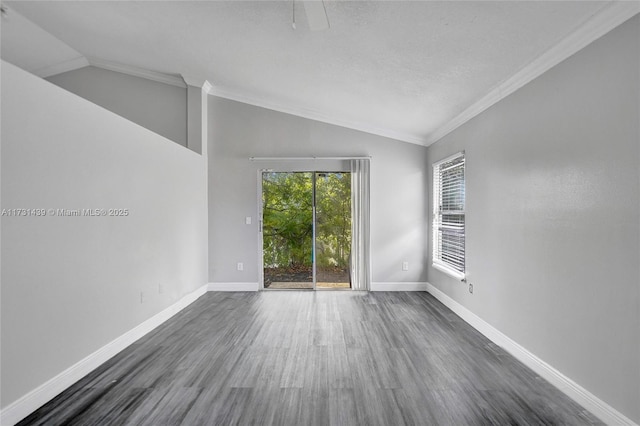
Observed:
{"x":313,"y":358}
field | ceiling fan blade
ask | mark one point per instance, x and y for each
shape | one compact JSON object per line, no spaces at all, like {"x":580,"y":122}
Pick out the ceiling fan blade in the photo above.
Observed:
{"x":316,"y":15}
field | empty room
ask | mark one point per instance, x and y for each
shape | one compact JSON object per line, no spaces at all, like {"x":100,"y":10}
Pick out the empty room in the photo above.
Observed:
{"x":309,"y":212}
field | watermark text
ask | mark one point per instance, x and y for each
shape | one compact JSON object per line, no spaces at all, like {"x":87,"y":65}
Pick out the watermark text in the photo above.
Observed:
{"x":57,"y":212}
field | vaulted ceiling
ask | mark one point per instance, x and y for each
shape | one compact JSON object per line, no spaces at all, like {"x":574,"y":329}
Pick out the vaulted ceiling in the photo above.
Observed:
{"x":407,"y":70}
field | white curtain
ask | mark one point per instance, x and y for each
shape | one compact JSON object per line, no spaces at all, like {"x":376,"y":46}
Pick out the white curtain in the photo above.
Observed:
{"x":360,"y":263}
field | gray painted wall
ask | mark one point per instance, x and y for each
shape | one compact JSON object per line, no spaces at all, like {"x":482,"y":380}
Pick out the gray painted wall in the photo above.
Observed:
{"x":194,"y":118}
{"x":70,"y":285}
{"x":553,"y":217}
{"x":398,"y":187}
{"x":161,"y":108}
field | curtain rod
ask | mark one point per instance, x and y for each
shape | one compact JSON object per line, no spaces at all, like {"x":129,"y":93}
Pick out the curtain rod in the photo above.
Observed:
{"x":306,"y":158}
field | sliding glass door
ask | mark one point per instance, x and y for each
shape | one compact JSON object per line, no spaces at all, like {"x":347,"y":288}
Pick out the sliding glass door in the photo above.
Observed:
{"x":306,"y":230}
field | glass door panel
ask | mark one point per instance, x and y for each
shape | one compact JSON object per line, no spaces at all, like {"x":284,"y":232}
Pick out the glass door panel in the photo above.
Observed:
{"x":287,"y":230}
{"x":333,"y":229}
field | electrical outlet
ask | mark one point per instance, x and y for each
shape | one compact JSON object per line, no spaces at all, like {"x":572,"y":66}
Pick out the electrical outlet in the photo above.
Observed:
{"x":405,"y":266}
{"x":240,"y":266}
{"x":247,"y":220}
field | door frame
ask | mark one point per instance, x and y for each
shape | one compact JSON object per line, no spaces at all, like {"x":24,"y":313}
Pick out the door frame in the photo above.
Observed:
{"x":260,"y":237}
{"x":313,"y":237}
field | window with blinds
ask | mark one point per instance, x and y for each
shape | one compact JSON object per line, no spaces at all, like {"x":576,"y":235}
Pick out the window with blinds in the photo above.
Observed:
{"x":448,"y":215}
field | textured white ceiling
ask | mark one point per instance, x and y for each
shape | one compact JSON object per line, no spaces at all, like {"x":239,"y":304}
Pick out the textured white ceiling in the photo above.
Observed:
{"x":403,"y":67}
{"x":29,"y":46}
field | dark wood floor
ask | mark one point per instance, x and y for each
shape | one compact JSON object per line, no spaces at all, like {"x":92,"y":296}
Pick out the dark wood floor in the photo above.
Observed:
{"x":305,"y":358}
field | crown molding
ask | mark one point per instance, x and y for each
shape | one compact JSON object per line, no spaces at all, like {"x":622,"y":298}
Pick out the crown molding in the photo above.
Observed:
{"x":173,"y":80}
{"x":608,"y":18}
{"x":195,"y":82}
{"x":70,"y":65}
{"x":207,"y":87}
{"x":311,"y":114}
{"x":82,"y":62}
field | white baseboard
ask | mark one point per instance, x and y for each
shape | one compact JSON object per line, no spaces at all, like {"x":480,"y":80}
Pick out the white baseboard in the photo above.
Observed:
{"x":234,"y":286}
{"x":30,"y":402}
{"x":375,"y":286}
{"x":399,"y":286}
{"x":595,"y":405}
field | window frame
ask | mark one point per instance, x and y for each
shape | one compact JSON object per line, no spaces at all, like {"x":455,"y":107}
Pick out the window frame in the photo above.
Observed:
{"x":450,"y":268}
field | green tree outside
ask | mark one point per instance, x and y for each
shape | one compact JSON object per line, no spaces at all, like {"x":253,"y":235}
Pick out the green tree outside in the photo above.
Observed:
{"x":288,"y":219}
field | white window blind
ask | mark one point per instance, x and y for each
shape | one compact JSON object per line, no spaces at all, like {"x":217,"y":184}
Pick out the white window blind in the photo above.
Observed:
{"x":448,"y":215}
